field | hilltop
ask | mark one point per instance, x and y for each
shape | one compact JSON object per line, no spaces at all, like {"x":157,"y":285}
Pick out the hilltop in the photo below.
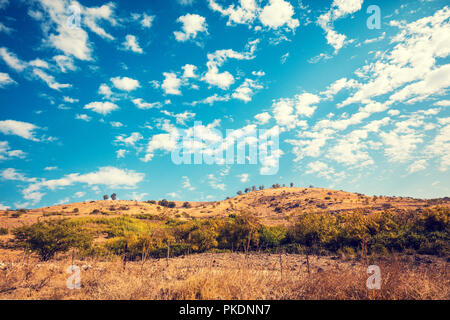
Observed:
{"x":272,"y":206}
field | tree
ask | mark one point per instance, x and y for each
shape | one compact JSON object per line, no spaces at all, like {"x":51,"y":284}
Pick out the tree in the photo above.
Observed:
{"x":163,"y":203}
{"x":49,"y":238}
{"x":261,"y":187}
{"x":105,"y":197}
{"x":186,"y":204}
{"x":171,"y":204}
{"x":247,"y":190}
{"x":239,"y":192}
{"x":113,"y":196}
{"x":253,"y":188}
{"x":291,"y":184}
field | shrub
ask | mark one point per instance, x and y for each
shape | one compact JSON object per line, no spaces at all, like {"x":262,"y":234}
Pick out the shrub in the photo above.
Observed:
{"x":186,"y":205}
{"x":49,"y":238}
{"x":272,"y":236}
{"x":16,"y":214}
{"x":4,"y":231}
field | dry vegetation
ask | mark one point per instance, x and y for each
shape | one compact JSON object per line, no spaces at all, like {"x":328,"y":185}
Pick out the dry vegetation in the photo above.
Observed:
{"x":227,"y":276}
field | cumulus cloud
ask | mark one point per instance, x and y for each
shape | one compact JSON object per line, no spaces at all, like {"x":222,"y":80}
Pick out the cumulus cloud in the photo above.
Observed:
{"x":111,"y":177}
{"x":224,"y":79}
{"x":246,"y":90}
{"x":171,"y":83}
{"x":263,"y":117}
{"x":103,"y":108}
{"x":125,"y":83}
{"x":339,"y":9}
{"x":274,"y":15}
{"x":192,"y":24}
{"x":131,"y":43}
{"x":278,"y":13}
{"x":83,"y":117}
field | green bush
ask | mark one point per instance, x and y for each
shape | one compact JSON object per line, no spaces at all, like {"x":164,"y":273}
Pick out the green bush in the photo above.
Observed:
{"x":49,"y":238}
{"x":272,"y":236}
{"x":3,"y":231}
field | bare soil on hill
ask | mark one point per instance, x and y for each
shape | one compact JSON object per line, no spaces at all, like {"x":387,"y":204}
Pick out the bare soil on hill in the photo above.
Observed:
{"x":273,"y":206}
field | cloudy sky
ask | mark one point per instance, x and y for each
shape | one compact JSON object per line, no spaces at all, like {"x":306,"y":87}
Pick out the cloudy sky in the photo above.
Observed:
{"x":96,"y":96}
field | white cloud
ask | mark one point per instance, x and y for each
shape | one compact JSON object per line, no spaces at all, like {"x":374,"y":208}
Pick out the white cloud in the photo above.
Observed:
{"x":50,"y":80}
{"x":19,"y":128}
{"x":83,"y":117}
{"x":418,"y":165}
{"x":103,"y":108}
{"x":244,"y":13}
{"x":125,"y":83}
{"x":116,"y":124}
{"x":278,"y":13}
{"x":132,"y":44}
{"x":339,"y":9}
{"x":145,"y":19}
{"x":11,"y":60}
{"x":211,"y":100}
{"x":187,"y":183}
{"x":64,"y":63}
{"x":304,"y":104}
{"x":5,"y":80}
{"x":243,"y":177}
{"x":105,"y":90}
{"x":263,"y":117}
{"x":121,"y":153}
{"x":111,"y":177}
{"x":443,"y":103}
{"x":79,"y":194}
{"x":192,"y":24}
{"x":171,"y":83}
{"x":6,"y":153}
{"x":181,"y":118}
{"x":189,"y":71}
{"x":246,"y":90}
{"x":215,"y":182}
{"x":138,"y":196}
{"x":146,"y":105}
{"x":39,"y":64}
{"x":131,"y":140}
{"x":223,"y":80}
{"x":164,"y":141}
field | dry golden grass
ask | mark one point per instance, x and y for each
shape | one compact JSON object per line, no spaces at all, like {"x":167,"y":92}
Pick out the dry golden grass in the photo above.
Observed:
{"x":225,"y":276}
{"x":272,"y":206}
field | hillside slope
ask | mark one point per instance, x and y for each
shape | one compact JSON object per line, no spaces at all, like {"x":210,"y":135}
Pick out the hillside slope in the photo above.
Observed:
{"x":272,"y":206}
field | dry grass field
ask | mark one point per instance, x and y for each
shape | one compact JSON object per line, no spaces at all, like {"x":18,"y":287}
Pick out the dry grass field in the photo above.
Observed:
{"x":226,"y":276}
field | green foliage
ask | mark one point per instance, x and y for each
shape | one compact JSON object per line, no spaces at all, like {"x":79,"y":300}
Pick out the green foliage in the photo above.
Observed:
{"x":272,"y":236}
{"x":146,"y":235}
{"x":49,"y":238}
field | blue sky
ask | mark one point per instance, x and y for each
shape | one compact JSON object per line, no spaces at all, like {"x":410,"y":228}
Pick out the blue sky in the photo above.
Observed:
{"x":100,"y":107}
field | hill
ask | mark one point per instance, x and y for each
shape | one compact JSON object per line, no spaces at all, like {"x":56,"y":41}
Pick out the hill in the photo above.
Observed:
{"x":272,"y":206}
